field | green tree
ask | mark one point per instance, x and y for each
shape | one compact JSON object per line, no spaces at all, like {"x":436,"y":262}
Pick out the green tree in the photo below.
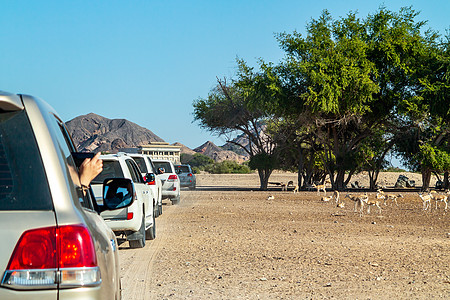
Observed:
{"x":348,"y":77}
{"x":233,"y":108}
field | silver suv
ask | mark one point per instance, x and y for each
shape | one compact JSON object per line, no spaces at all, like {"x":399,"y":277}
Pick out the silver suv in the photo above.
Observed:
{"x":54,"y":244}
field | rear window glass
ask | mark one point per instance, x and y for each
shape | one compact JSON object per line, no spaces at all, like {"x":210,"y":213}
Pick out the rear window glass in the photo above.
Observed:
{"x":165,"y":166}
{"x":23,"y":183}
{"x":141,"y":163}
{"x":182,"y":169}
{"x":111,"y":169}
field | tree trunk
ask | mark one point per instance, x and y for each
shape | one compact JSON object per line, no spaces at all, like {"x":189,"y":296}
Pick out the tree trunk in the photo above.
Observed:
{"x":264,"y":175}
{"x":340,"y":180}
{"x":426,"y":177}
{"x":446,"y":183}
{"x":300,"y":168}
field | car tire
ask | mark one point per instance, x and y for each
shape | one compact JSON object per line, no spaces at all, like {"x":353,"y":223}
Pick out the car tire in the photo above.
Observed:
{"x":156,"y":210}
{"x":160,"y":210}
{"x":175,"y":200}
{"x":141,"y":242}
{"x":150,"y":234}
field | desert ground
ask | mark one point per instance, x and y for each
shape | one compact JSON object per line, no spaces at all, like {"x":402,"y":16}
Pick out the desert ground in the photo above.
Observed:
{"x":226,"y":240}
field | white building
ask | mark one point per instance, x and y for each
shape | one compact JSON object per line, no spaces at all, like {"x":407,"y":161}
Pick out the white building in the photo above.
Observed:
{"x":158,"y":150}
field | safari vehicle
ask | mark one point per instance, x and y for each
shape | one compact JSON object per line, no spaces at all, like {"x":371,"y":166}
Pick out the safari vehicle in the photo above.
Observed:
{"x":169,"y":179}
{"x":54,"y":243}
{"x":187,"y":176}
{"x":149,"y":173}
{"x":137,"y":222}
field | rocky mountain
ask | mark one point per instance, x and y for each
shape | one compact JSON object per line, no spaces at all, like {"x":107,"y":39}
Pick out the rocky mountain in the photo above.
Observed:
{"x":184,"y":149}
{"x":218,"y":154}
{"x":92,"y":132}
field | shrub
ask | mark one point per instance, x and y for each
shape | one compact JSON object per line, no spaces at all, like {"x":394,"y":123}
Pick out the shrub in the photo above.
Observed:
{"x":227,"y":167}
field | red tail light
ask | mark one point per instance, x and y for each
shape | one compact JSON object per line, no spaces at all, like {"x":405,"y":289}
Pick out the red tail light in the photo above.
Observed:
{"x":172,"y":177}
{"x":149,"y":182}
{"x":130,"y":216}
{"x":36,"y":249}
{"x":76,"y":247}
{"x":190,"y":174}
{"x":46,"y":257}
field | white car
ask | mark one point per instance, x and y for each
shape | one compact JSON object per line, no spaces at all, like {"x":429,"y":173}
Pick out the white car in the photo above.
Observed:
{"x":136,"y":222}
{"x":150,"y":177}
{"x":170,"y":180}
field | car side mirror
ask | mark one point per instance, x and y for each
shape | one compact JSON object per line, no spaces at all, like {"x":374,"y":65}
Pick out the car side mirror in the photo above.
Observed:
{"x":118,"y":193}
{"x":150,"y":177}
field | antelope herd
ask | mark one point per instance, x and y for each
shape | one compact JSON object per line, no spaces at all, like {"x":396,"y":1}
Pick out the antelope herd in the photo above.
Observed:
{"x":380,"y":198}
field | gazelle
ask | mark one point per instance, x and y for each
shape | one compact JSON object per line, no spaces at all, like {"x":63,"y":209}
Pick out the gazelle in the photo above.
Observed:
{"x":439,"y":197}
{"x":392,"y":197}
{"x":374,"y":202}
{"x":426,"y":199}
{"x":321,"y":187}
{"x":336,"y":196}
{"x":326,"y":199}
{"x":296,"y":189}
{"x":359,"y":202}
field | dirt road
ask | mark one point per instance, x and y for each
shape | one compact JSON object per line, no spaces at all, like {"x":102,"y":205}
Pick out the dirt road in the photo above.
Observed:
{"x":225,"y":244}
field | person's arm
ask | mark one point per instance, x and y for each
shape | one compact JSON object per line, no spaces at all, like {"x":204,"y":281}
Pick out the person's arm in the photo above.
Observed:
{"x":89,"y":169}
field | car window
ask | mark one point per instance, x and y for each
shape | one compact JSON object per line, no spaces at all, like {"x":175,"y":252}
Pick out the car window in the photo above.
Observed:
{"x":164,"y":165}
{"x":183,"y":169}
{"x":66,"y":146}
{"x":135,"y":177}
{"x":150,"y":164}
{"x":141,"y":163}
{"x":23,"y":183}
{"x":111,"y":169}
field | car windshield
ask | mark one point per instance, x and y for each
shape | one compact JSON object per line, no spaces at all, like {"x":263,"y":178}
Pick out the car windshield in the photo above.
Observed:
{"x":111,"y":169}
{"x":23,"y":183}
{"x":165,"y":165}
{"x":141,"y":163}
{"x":183,"y":169}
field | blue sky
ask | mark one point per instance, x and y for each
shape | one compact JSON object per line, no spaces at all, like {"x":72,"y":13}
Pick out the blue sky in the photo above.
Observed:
{"x":147,"y":61}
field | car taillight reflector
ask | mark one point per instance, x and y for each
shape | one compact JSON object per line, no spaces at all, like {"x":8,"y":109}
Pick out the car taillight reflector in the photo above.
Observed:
{"x":129,"y":216}
{"x":76,"y":247}
{"x":151,"y":182}
{"x":172,"y":178}
{"x":190,"y":174}
{"x":46,"y":257}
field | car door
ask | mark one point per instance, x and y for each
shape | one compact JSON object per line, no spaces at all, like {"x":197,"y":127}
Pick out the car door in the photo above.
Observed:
{"x":141,"y":188}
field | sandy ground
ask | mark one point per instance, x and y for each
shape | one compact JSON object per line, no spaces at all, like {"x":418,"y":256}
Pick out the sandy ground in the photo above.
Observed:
{"x":226,"y":240}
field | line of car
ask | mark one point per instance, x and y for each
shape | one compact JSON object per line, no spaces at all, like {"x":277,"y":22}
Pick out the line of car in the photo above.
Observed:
{"x":56,"y":242}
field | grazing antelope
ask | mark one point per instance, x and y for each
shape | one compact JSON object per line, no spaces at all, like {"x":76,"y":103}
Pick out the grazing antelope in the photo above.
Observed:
{"x":392,"y":197}
{"x":340,"y":205}
{"x":426,"y":199}
{"x":336,"y":196}
{"x":283,"y":186}
{"x":270,"y":197}
{"x":326,"y":199}
{"x":375,"y":202}
{"x":439,"y":197}
{"x":321,"y":187}
{"x":381,"y":196}
{"x":359,"y":202}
